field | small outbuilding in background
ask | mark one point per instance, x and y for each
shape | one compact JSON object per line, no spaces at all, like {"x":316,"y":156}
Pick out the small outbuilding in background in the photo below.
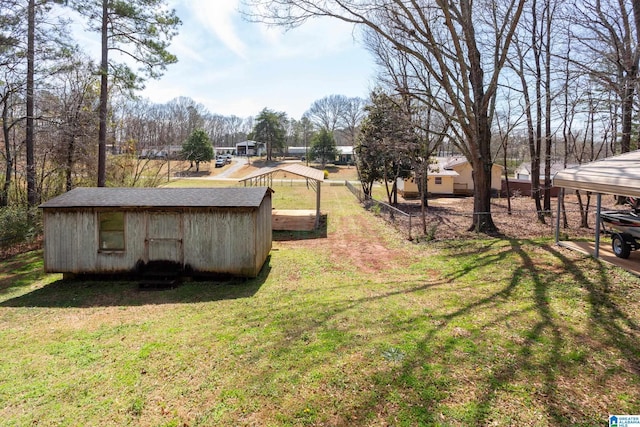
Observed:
{"x":199,"y":231}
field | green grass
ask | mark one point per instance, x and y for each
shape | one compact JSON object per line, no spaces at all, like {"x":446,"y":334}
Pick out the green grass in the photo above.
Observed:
{"x":458,"y":333}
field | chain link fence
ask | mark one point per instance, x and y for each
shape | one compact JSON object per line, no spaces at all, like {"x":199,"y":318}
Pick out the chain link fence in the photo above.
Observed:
{"x":451,"y":217}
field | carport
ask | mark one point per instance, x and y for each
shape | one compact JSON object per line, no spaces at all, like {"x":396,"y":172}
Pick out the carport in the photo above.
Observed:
{"x":617,"y":175}
{"x":291,"y":219}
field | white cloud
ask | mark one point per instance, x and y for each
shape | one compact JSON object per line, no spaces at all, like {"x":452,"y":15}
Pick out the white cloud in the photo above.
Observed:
{"x":317,"y":37}
{"x":217,"y":18}
{"x":235,"y":67}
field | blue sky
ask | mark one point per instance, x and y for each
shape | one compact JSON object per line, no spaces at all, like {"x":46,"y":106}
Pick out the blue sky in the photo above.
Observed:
{"x":233,"y":67}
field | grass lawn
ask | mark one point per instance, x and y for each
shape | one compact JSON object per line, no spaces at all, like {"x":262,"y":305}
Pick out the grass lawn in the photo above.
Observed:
{"x":358,"y":328}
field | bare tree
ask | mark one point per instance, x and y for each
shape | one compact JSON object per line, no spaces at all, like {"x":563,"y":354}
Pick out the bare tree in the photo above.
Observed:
{"x":329,"y":112}
{"x":444,"y":38}
{"x":607,"y":35}
{"x":352,"y":117}
{"x":69,"y":120}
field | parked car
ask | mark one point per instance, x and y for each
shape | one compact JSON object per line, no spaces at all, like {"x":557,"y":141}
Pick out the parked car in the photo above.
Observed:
{"x":228,"y":158}
{"x":220,"y":162}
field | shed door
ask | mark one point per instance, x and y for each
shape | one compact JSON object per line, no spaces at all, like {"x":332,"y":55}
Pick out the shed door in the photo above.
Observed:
{"x":164,"y":237}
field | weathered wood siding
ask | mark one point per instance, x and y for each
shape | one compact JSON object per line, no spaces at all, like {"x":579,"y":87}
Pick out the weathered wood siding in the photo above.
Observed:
{"x":71,"y":243}
{"x":164,"y":237}
{"x":233,"y":241}
{"x":219,"y":241}
{"x":263,"y":233}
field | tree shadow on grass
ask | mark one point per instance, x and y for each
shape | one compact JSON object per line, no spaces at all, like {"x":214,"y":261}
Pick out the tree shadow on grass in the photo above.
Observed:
{"x":193,"y":173}
{"x":557,"y":363}
{"x":85,"y":292}
{"x":543,"y":357}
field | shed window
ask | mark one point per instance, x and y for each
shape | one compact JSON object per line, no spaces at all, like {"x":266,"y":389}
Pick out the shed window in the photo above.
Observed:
{"x":438,"y":180}
{"x":111,"y":231}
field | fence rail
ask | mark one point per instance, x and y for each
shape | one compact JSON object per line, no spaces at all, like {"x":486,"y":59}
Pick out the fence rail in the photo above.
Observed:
{"x":402,"y":220}
{"x":443,"y":221}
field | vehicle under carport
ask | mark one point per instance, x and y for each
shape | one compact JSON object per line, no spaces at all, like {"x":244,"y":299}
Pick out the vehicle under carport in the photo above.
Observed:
{"x":618,"y":175}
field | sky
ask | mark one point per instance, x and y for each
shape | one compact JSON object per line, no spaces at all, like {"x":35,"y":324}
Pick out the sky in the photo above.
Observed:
{"x":234,"y":67}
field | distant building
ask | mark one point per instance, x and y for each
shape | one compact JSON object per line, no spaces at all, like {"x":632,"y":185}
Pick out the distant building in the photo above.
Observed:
{"x":449,"y":176}
{"x":345,"y":155}
{"x":250,"y":148}
{"x":523,"y":172}
{"x":225,"y":150}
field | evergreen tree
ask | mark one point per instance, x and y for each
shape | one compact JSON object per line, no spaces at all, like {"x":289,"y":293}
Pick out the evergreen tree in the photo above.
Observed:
{"x":269,"y":129}
{"x":197,"y":148}
{"x":138,"y":29}
{"x":323,"y":147}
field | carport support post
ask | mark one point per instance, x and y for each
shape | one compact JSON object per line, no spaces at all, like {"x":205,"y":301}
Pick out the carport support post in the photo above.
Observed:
{"x":598,"y":206}
{"x":318,"y":185}
{"x":560,"y":202}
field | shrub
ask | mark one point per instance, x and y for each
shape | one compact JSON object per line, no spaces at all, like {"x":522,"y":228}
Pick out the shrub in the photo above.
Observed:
{"x":18,"y":224}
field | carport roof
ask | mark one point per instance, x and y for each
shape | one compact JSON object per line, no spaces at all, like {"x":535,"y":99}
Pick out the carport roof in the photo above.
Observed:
{"x":296,"y":169}
{"x":613,"y":175}
{"x":83,"y":197}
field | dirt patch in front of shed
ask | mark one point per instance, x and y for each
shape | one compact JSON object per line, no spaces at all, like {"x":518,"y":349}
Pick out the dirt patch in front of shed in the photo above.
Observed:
{"x":353,"y":245}
{"x":448,"y":219}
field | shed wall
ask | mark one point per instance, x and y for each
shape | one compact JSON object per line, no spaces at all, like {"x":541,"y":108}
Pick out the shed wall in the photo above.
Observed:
{"x":263,"y":233}
{"x":229,"y":241}
{"x":71,"y":243}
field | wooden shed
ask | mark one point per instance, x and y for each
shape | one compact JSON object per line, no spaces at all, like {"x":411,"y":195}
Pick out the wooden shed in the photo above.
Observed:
{"x":201,"y":231}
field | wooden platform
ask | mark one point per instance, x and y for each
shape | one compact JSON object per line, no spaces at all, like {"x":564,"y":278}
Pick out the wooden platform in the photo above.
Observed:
{"x":293,"y":220}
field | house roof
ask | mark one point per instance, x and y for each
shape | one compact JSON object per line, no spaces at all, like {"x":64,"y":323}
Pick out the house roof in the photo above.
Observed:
{"x":158,"y":197}
{"x":613,"y":175}
{"x":442,"y":172}
{"x":449,"y":163}
{"x":344,"y":149}
{"x":555,"y":167}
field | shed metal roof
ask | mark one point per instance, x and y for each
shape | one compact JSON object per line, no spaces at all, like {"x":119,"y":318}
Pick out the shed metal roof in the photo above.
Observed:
{"x":613,"y":175}
{"x":294,"y":168}
{"x":158,"y":197}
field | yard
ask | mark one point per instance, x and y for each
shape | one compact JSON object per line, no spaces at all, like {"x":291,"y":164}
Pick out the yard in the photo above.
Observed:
{"x":355,"y":327}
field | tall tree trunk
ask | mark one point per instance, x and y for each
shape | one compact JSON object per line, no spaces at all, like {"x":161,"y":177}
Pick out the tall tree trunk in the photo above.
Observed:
{"x":482,"y":166}
{"x":480,"y":148}
{"x":68,"y":172}
{"x":32,"y":195}
{"x":547,"y":116}
{"x":535,"y":172}
{"x":104,"y":97}
{"x":8,"y":171}
{"x":627,"y":111}
{"x":506,"y":175}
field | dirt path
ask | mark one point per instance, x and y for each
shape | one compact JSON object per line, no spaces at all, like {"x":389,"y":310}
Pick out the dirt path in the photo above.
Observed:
{"x":360,"y":239}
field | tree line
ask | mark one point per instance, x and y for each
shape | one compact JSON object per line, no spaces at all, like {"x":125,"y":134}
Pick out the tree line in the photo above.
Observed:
{"x":493,"y":80}
{"x":63,"y":113}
